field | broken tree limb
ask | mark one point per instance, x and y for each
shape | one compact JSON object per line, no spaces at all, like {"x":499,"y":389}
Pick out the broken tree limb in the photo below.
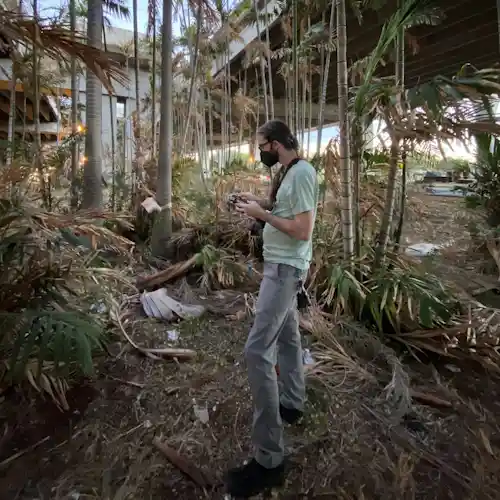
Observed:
{"x":172,"y":352}
{"x":430,"y":399}
{"x":198,"y":476}
{"x":9,"y":460}
{"x":159,"y":353}
{"x":173,"y":272}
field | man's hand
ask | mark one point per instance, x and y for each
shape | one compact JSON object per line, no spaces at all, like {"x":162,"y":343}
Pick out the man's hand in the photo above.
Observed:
{"x":249,"y":196}
{"x":252,"y":209}
{"x":263,"y":202}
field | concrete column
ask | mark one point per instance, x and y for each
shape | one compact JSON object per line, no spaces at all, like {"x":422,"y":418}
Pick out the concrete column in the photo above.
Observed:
{"x":108,"y":130}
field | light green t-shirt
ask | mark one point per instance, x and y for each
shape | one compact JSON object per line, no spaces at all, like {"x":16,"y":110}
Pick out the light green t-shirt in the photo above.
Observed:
{"x":298,"y":193}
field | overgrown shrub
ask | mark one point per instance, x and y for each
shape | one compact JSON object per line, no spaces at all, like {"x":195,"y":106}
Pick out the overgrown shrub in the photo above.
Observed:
{"x":48,"y":332}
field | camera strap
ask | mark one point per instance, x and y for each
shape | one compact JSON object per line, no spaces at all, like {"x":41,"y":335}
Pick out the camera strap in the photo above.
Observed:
{"x":281,"y":177}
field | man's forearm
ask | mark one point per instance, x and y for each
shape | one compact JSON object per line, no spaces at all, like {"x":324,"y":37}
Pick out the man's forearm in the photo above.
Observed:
{"x":286,"y":226}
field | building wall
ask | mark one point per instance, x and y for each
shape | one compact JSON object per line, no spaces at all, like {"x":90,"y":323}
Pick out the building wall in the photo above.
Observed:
{"x":122,"y":93}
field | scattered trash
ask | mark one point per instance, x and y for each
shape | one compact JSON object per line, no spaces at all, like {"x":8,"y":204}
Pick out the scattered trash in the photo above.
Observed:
{"x":159,"y":305}
{"x":307,"y":358}
{"x":447,"y":191}
{"x":422,"y":249}
{"x":151,"y":205}
{"x":173,"y":335}
{"x":201,"y":413}
{"x":99,"y":307}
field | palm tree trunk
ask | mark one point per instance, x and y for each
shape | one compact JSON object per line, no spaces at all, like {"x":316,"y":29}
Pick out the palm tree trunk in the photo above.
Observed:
{"x":37,"y":139}
{"x":210,"y":126}
{"x":356,"y":154}
{"x":153,"y":89}
{"x":309,"y":125}
{"x":74,"y":114}
{"x":400,"y":82}
{"x":261,"y":62}
{"x":137,"y":122}
{"x":112,"y":127}
{"x":402,"y":206}
{"x":269,"y":68}
{"x":345,"y":173}
{"x":325,"y":72}
{"x":92,"y":173}
{"x":387,"y":216}
{"x":295,"y":58}
{"x":12,"y":114}
{"x":194,"y":67}
{"x":162,"y":229}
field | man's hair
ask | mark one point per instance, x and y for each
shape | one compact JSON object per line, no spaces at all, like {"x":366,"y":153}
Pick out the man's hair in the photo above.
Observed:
{"x":276,"y":130}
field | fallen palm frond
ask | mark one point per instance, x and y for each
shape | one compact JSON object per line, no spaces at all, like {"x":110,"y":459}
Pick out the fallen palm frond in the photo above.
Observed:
{"x":221,"y":269}
{"x":333,"y":364}
{"x":476,"y":339}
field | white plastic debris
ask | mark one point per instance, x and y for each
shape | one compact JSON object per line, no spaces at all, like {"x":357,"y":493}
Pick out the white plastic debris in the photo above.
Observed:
{"x":98,"y":307}
{"x":173,"y":335}
{"x":422,"y":249}
{"x":200,"y":412}
{"x":159,"y":305}
{"x":307,"y":358}
{"x":150,"y":205}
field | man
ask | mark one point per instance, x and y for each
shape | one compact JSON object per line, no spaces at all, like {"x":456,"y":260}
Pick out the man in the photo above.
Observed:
{"x":287,"y":239}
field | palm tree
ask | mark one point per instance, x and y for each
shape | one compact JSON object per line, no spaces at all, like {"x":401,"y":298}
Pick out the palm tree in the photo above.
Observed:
{"x":151,"y":32}
{"x":137,"y":121}
{"x":163,"y":226}
{"x":92,"y":173}
{"x":74,"y":112}
{"x":345,"y":170}
{"x":325,"y":73}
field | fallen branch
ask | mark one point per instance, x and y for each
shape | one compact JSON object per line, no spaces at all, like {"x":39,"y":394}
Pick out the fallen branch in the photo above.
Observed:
{"x":198,"y":476}
{"x":157,"y":354}
{"x":430,"y":399}
{"x":9,"y":460}
{"x":173,"y":272}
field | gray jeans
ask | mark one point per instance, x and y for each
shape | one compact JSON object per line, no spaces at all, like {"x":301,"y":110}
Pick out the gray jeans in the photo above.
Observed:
{"x":276,"y":327}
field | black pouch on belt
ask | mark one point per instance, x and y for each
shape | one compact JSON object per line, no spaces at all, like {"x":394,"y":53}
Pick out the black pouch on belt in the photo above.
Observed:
{"x":303,"y":299}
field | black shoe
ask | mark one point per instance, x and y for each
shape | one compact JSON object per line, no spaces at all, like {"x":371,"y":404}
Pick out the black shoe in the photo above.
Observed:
{"x":290,"y":415}
{"x":252,"y":479}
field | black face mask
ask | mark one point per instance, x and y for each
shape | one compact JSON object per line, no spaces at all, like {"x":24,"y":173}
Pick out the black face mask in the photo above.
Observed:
{"x":269,"y":158}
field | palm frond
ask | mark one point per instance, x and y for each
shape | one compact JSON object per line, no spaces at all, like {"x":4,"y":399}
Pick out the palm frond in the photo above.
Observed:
{"x":59,"y":43}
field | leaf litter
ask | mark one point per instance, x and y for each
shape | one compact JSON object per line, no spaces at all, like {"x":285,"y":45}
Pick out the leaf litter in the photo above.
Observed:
{"x":168,"y":427}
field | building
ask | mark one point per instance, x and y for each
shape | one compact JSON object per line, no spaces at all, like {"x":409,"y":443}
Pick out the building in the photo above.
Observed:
{"x":116,"y":108}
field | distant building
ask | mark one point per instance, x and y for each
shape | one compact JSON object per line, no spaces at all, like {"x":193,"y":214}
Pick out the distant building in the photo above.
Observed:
{"x":120,"y":105}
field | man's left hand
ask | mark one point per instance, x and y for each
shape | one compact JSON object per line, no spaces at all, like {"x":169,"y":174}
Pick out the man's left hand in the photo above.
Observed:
{"x":252,"y":209}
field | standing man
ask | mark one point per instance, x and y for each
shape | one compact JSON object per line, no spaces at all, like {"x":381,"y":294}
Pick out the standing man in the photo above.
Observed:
{"x":287,"y":236}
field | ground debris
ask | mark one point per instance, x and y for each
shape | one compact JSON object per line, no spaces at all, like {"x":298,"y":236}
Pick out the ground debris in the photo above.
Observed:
{"x":172,"y":273}
{"x":202,"y":478}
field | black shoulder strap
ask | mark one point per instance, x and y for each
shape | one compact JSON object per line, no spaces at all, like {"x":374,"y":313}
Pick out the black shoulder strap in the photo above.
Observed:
{"x":280,"y":177}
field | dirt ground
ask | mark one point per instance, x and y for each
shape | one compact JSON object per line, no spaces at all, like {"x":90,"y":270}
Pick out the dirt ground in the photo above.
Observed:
{"x":356,"y":441}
